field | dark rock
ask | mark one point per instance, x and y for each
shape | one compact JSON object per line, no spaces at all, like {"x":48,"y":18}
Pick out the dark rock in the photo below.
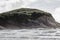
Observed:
{"x":27,"y":18}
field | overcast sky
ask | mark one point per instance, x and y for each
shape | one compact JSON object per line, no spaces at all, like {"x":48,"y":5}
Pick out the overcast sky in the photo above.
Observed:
{"x":52,"y":6}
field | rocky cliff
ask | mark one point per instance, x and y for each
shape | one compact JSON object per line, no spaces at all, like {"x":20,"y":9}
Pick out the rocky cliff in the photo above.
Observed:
{"x":27,"y":18}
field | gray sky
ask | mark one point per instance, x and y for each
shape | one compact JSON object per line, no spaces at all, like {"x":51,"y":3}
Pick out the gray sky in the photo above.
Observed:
{"x":52,"y":6}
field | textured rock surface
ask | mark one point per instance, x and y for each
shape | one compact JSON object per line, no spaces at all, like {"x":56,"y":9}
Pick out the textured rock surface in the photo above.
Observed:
{"x":27,"y":18}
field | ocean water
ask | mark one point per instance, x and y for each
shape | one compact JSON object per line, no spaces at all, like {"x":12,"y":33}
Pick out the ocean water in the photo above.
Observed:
{"x":30,"y":34}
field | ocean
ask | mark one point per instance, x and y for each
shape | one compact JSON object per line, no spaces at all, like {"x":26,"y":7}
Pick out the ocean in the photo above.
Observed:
{"x":31,"y":34}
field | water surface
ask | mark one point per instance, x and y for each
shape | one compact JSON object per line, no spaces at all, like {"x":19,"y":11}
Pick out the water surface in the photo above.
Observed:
{"x":30,"y":34}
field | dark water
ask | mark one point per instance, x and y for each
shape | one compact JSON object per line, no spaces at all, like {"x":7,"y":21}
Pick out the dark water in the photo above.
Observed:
{"x":30,"y":34}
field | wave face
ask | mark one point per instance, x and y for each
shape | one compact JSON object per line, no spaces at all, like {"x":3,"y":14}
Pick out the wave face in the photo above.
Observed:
{"x":27,"y":18}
